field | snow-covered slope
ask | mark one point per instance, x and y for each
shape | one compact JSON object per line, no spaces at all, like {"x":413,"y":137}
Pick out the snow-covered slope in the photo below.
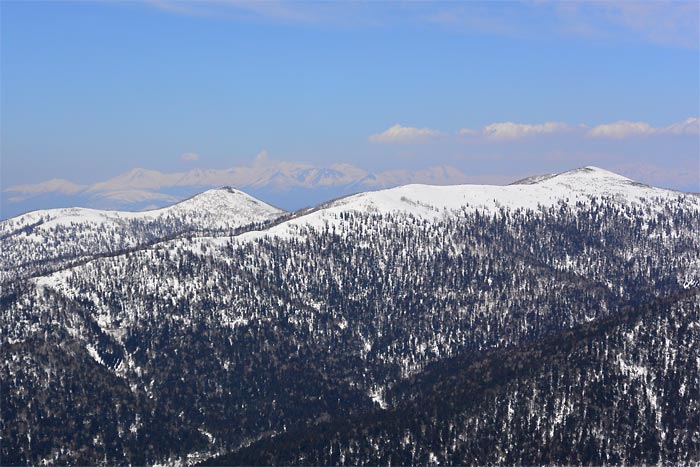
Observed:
{"x":576,"y":185}
{"x":581,"y":185}
{"x":221,"y":208}
{"x":73,"y":233}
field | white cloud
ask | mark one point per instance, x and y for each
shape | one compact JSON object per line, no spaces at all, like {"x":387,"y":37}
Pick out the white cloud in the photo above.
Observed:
{"x":671,"y":23}
{"x":621,"y":129}
{"x":274,"y":10}
{"x":55,"y":185}
{"x":624,"y":129}
{"x":190,"y":156}
{"x":510,"y":130}
{"x":404,"y":134}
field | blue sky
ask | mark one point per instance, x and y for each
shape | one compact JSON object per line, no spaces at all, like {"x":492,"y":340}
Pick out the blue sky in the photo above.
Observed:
{"x":93,"y":89}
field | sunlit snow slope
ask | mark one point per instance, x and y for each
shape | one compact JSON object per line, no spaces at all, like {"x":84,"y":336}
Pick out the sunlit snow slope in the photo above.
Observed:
{"x":71,"y":233}
{"x":582,"y":185}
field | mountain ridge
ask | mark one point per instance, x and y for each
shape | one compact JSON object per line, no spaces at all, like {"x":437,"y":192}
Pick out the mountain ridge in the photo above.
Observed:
{"x":219,"y":338}
{"x":589,"y":172}
{"x":582,"y":185}
{"x":143,"y":188}
{"x":223,"y":210}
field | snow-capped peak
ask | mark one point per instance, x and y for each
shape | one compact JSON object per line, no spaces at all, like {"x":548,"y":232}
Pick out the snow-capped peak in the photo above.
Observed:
{"x":69,"y":234}
{"x":589,"y":173}
{"x":582,"y":174}
{"x":225,"y":199}
{"x":578,"y":185}
{"x":227,"y":207}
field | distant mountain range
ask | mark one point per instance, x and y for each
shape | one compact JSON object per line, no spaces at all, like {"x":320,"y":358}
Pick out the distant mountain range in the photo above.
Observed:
{"x":289,"y":185}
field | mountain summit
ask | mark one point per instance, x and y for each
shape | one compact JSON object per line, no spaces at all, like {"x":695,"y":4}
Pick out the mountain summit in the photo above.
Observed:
{"x":63,"y":235}
{"x":578,"y":187}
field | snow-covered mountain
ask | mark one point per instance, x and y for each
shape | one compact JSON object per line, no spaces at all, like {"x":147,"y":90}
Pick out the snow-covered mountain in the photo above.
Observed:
{"x":221,"y":208}
{"x":222,"y":321}
{"x":73,"y":233}
{"x":574,"y":188}
{"x":70,"y":234}
{"x":579,"y":185}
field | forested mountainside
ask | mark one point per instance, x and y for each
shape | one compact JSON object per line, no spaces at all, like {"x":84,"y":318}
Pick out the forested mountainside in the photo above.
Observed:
{"x":623,"y":390}
{"x":41,"y":241}
{"x":205,"y":344}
